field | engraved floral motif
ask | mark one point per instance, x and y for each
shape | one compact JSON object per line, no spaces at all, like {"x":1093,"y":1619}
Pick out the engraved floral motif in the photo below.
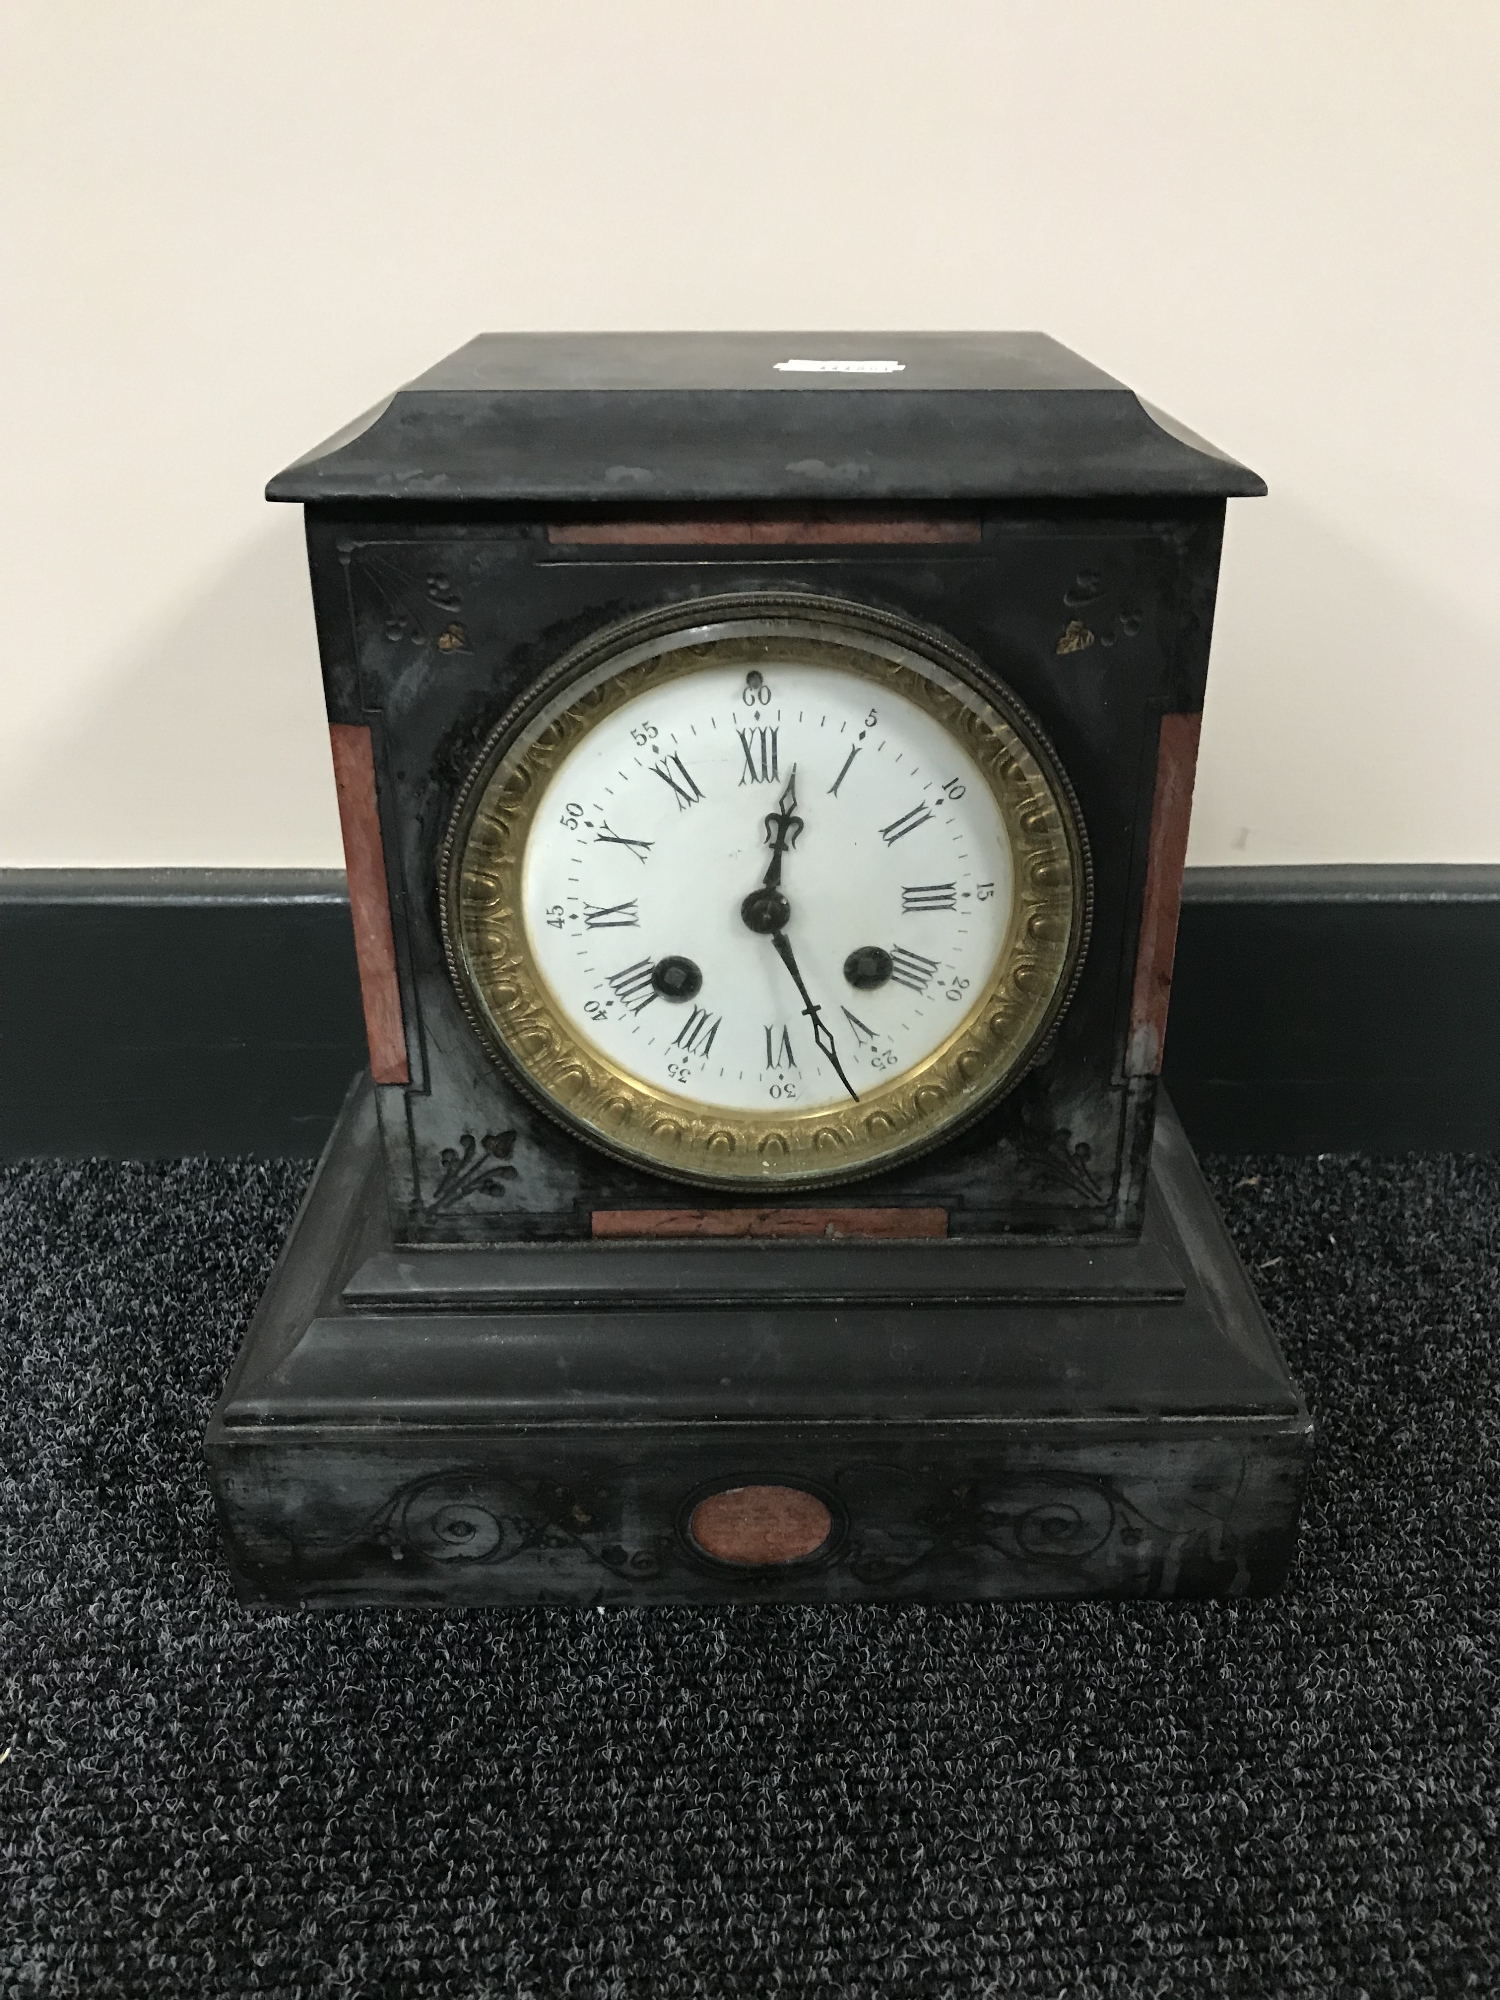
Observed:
{"x":1086,"y":588}
{"x":1075,"y":638}
{"x":1042,"y":1517}
{"x":411,"y":608}
{"x":473,"y":1167}
{"x":1062,"y":1519}
{"x":476,"y":1517}
{"x":1051,"y":1160}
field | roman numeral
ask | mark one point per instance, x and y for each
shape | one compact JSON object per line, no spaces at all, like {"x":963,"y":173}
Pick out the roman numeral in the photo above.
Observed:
{"x":911,"y":968}
{"x":929,"y":896}
{"x":759,"y":746}
{"x":833,"y":789}
{"x":862,"y":1034}
{"x":632,"y":987}
{"x":779,"y":1054}
{"x":639,"y":848}
{"x":696,"y":1035}
{"x":686,"y":792}
{"x":908,"y":823}
{"x":611,"y":916}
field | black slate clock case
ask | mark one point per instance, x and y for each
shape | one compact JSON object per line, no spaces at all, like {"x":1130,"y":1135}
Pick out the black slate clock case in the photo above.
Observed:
{"x":524,"y":494}
{"x":1067,"y":1151}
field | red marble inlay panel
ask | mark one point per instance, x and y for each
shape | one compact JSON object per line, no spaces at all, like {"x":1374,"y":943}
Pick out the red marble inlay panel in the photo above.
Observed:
{"x":792,"y":530}
{"x":369,"y":901}
{"x":757,"y":1525}
{"x":831,"y":1224}
{"x":1171,"y":810}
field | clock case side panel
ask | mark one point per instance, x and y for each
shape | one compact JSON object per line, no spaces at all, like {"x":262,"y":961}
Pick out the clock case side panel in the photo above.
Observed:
{"x":1165,"y":795}
{"x":431,"y":622}
{"x":350,"y":715}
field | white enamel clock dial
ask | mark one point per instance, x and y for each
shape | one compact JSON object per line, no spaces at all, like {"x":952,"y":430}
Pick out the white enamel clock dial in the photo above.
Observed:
{"x":894,"y":879}
{"x":766,"y":898}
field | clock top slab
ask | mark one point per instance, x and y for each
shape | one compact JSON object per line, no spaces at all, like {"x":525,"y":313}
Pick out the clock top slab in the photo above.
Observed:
{"x":642,"y":418}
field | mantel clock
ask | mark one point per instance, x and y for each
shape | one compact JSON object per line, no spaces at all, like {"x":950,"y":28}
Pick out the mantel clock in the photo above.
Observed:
{"x":764,"y":764}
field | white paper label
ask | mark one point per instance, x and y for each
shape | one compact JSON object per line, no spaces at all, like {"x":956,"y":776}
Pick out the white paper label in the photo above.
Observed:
{"x":840,"y":367}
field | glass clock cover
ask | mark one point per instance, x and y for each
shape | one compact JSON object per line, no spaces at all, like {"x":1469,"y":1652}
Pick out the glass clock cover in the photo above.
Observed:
{"x":770,"y":890}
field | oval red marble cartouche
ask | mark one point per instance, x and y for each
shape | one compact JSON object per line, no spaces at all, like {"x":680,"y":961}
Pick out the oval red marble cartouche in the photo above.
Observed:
{"x":760,"y":1524}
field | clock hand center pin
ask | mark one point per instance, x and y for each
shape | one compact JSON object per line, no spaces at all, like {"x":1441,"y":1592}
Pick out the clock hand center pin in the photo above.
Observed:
{"x":766,"y":910}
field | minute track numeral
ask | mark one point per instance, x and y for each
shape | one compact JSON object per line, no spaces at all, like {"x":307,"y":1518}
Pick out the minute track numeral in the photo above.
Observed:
{"x":696,"y":1035}
{"x":632,"y":987}
{"x":683,"y":785}
{"x":611,"y":916}
{"x":759,"y":747}
{"x":908,"y":823}
{"x":911,"y":969}
{"x":929,"y":896}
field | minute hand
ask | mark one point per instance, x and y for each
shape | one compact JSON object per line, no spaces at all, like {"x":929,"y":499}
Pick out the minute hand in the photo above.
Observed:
{"x":821,"y":1035}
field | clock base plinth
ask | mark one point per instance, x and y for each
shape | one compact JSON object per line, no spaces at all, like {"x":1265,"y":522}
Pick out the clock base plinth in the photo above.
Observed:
{"x":714,"y":1422}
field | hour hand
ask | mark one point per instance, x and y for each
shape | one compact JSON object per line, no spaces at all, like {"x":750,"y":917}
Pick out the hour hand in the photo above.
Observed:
{"x":782,"y":828}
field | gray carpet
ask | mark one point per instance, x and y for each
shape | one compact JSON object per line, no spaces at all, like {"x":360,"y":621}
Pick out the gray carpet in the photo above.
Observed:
{"x":1296,"y":1796}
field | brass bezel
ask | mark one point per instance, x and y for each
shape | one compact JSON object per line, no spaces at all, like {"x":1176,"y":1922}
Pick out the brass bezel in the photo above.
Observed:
{"x":512,"y":1009}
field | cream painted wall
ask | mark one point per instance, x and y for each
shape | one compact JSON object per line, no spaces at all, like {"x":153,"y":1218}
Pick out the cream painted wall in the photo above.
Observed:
{"x":231,"y":227}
